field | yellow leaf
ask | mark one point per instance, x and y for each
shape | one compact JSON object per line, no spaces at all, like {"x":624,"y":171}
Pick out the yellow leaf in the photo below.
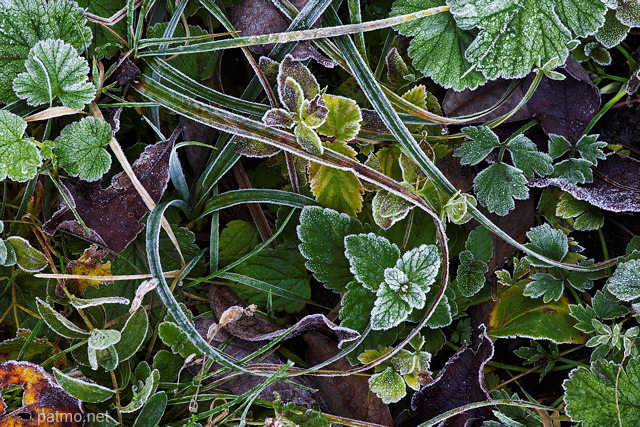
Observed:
{"x":89,"y":264}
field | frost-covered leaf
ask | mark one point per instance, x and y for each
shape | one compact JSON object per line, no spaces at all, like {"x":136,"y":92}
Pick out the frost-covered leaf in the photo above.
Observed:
{"x":605,"y":394}
{"x":308,"y":139}
{"x":19,"y":157}
{"x":420,"y":265}
{"x":575,"y":171}
{"x":625,"y":281}
{"x":79,"y":148}
{"x":322,"y":233}
{"x":390,"y":309}
{"x":278,"y":117}
{"x":628,"y":12}
{"x":514,"y":36}
{"x":28,"y":258}
{"x":369,"y":256}
{"x":607,"y":307}
{"x":397,"y":282}
{"x":583,"y":17}
{"x":25,"y":23}
{"x":438,"y":49}
{"x":544,"y":285}
{"x":586,"y":216}
{"x":471,"y":273}
{"x":343,"y":119}
{"x":304,"y":81}
{"x":334,"y":188}
{"x":101,"y":339}
{"x":388,"y":386}
{"x":356,"y":301}
{"x":313,"y":112}
{"x":55,"y":70}
{"x":237,"y":239}
{"x":613,"y":31}
{"x":547,"y":241}
{"x":497,"y":186}
{"x":482,"y":141}
{"x":525,"y":156}
{"x":588,"y":147}
{"x":387,"y":208}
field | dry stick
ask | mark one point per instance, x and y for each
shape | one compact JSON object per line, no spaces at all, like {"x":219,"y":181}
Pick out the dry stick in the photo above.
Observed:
{"x":113,"y":19}
{"x":174,"y":273}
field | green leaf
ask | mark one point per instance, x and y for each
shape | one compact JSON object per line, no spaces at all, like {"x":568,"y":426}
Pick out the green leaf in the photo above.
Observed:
{"x":586,"y":216}
{"x":308,"y":139}
{"x":369,"y":256}
{"x":588,"y":147}
{"x":79,"y":148}
{"x":558,"y":145}
{"x":55,"y":70}
{"x":497,"y":186}
{"x":356,"y":301}
{"x":625,"y":281}
{"x":278,"y":117}
{"x":525,"y":156}
{"x":134,"y":332}
{"x":343,"y":120}
{"x":480,"y":243}
{"x":172,"y":336}
{"x":546,"y":240}
{"x":388,"y":386}
{"x":583,"y":17}
{"x":104,"y":43}
{"x":575,"y":171}
{"x":290,"y":68}
{"x":439,"y":46}
{"x":334,"y":188}
{"x":471,"y":271}
{"x":585,"y":316}
{"x":20,"y":157}
{"x":280,"y":267}
{"x":544,"y":284}
{"x":58,"y":323}
{"x":628,"y":12}
{"x":613,"y":31}
{"x":237,"y":239}
{"x":152,"y":411}
{"x":322,"y":233}
{"x":82,"y":390}
{"x":605,"y":394}
{"x":313,"y":112}
{"x":607,"y":307}
{"x":514,"y":36}
{"x":420,"y":266}
{"x":25,"y":23}
{"x":387,"y":208}
{"x":168,"y":364}
{"x":28,"y":258}
{"x":390,"y":309}
{"x":101,"y":339}
{"x":141,"y":397}
{"x":482,"y":141}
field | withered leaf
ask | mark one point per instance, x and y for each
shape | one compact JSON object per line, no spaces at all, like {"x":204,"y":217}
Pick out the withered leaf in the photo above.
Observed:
{"x":459,"y":383}
{"x":348,"y":396}
{"x":89,"y":264}
{"x":615,"y":186}
{"x":112,"y":214}
{"x":44,"y":402}
{"x":564,"y":107}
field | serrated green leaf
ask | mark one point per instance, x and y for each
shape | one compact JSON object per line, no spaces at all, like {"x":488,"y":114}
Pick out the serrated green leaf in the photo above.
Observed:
{"x":591,"y":149}
{"x":480,"y":243}
{"x":497,"y":186}
{"x":280,"y":267}
{"x":558,"y":145}
{"x":390,"y":308}
{"x":547,"y":241}
{"x":343,"y":120}
{"x":613,"y":31}
{"x":471,"y":271}
{"x":237,"y":239}
{"x":398,"y":283}
{"x":82,"y":390}
{"x":525,"y":156}
{"x":605,"y":394}
{"x":55,"y":70}
{"x":544,"y":285}
{"x":19,"y":157}
{"x":334,"y":188}
{"x":442,"y":315}
{"x":388,"y":386}
{"x":628,"y":12}
{"x":322,"y":233}
{"x":420,"y":265}
{"x":439,"y":46}
{"x":514,"y":36}
{"x":172,"y":336}
{"x":625,"y":281}
{"x":607,"y":307}
{"x":585,"y":316}
{"x":25,"y":23}
{"x":356,"y":301}
{"x":575,"y":171}
{"x":369,"y":256}
{"x":482,"y":141}
{"x":587,"y":217}
{"x":583,"y":17}
{"x":80,"y":148}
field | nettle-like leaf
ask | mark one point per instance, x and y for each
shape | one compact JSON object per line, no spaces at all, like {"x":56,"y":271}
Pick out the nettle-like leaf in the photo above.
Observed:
{"x":20,"y":157}
{"x":25,"y":23}
{"x":79,"y":148}
{"x":369,"y":256}
{"x":322,"y":233}
{"x":473,"y":262}
{"x":439,"y":46}
{"x":55,"y":70}
{"x":625,"y":281}
{"x":605,"y":394}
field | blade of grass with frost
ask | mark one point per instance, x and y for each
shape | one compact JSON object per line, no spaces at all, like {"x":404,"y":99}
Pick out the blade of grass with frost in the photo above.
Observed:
{"x":316,"y":33}
{"x":390,"y":118}
{"x":265,"y":287}
{"x":256,"y":195}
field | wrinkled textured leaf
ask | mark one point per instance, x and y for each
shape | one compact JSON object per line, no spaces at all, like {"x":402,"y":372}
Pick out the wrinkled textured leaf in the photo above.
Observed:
{"x":19,"y":158}
{"x":387,"y":208}
{"x":79,"y":148}
{"x":625,"y":281}
{"x":237,"y":239}
{"x":388,"y":385}
{"x":497,"y":186}
{"x":369,"y":255}
{"x":343,"y":120}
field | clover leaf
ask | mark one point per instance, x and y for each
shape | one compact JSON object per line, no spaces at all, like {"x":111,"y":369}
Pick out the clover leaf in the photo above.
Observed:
{"x":55,"y":69}
{"x":79,"y":148}
{"x":19,"y":156}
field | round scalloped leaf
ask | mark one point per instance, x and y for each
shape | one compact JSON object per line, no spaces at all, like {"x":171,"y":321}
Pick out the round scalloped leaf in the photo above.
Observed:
{"x":625,"y":281}
{"x":583,"y":17}
{"x":25,"y":23}
{"x":388,"y":385}
{"x":613,"y":31}
{"x":55,"y":70}
{"x":19,"y":157}
{"x":79,"y":148}
{"x":343,"y":120}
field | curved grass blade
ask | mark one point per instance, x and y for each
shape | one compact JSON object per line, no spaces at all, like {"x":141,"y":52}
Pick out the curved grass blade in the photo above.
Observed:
{"x":257,"y":195}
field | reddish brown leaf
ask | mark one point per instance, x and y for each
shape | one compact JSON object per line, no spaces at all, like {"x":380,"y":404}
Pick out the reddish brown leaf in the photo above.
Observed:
{"x":459,"y":383}
{"x":44,"y":403}
{"x":112,"y":214}
{"x":345,"y":396}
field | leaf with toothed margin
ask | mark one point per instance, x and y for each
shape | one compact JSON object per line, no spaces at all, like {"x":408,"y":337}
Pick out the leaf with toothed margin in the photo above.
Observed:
{"x":369,"y":255}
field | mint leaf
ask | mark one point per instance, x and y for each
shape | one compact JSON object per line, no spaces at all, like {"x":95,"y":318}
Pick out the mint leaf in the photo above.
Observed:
{"x":322,"y":233}
{"x":55,"y":70}
{"x":497,"y":186}
{"x":19,"y":157}
{"x":604,"y":394}
{"x":525,"y":156}
{"x":25,"y":23}
{"x":544,"y":284}
{"x":438,"y":49}
{"x":613,"y":31}
{"x":355,"y":302}
{"x":343,"y":120}
{"x":547,"y":241}
{"x":79,"y":148}
{"x":625,"y":281}
{"x":583,"y":17}
{"x":482,"y":141}
{"x":420,"y":265}
{"x":398,"y":283}
{"x":369,"y":256}
{"x":471,"y":273}
{"x":514,"y":35}
{"x":390,"y":309}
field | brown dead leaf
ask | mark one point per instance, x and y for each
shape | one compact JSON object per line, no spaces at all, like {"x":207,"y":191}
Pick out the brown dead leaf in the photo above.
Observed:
{"x":345,"y":396}
{"x":459,"y":383}
{"x":44,"y":402}
{"x":112,"y":214}
{"x":89,"y":264}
